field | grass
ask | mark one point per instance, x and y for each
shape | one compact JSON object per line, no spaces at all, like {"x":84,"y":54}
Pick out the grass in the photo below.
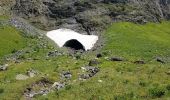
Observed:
{"x":139,"y":41}
{"x":10,"y":40}
{"x":120,"y":80}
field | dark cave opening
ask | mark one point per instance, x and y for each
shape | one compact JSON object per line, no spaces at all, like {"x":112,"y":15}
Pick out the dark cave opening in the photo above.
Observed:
{"x":74,"y":44}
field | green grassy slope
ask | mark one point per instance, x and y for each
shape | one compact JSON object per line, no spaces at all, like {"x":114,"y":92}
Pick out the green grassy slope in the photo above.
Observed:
{"x":10,"y":40}
{"x":120,"y":80}
{"x":139,"y":41}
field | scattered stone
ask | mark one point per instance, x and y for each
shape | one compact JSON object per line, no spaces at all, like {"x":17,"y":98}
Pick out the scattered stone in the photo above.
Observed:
{"x":3,"y":67}
{"x":99,"y":55}
{"x":42,"y":87}
{"x":106,"y":58}
{"x":58,"y":85}
{"x":44,"y":92}
{"x":139,"y":62}
{"x":93,"y":62}
{"x":84,"y":76}
{"x":32,"y":73}
{"x":158,"y":59}
{"x":66,"y":74}
{"x":21,"y":77}
{"x":54,"y":53}
{"x":91,"y":71}
{"x":100,"y":81}
{"x":116,"y":59}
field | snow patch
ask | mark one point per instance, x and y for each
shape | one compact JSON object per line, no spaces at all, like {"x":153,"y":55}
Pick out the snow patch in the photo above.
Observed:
{"x":61,"y":36}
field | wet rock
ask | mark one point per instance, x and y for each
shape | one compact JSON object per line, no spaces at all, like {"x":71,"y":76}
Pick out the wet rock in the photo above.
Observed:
{"x":99,"y":55}
{"x":21,"y":77}
{"x":93,"y":62}
{"x":116,"y":59}
{"x":58,"y":85}
{"x":158,"y":59}
{"x":139,"y":62}
{"x":3,"y":67}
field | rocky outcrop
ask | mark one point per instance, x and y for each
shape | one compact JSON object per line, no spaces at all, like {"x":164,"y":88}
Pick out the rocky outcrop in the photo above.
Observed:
{"x":90,"y":16}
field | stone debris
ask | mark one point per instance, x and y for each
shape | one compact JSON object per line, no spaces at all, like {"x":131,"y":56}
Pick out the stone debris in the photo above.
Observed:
{"x":158,"y":59}
{"x":42,"y":87}
{"x":54,"y":53}
{"x":90,"y":72}
{"x":99,"y":55}
{"x":32,"y":73}
{"x":3,"y":67}
{"x":21,"y":77}
{"x":58,"y":85}
{"x":93,"y":62}
{"x":66,"y":74}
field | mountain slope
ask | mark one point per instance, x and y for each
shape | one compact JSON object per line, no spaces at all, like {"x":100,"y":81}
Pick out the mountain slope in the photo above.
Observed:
{"x":90,"y":15}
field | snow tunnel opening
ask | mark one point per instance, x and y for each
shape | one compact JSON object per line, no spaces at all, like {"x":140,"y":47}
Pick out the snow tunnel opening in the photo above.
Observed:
{"x":74,"y":44}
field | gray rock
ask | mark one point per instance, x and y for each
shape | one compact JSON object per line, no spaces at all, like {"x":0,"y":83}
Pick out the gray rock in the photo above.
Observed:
{"x":3,"y":67}
{"x":93,"y":62}
{"x":116,"y":59}
{"x":66,"y":74}
{"x":58,"y":85}
{"x":32,"y":73}
{"x":158,"y":59}
{"x":90,"y":72}
{"x":21,"y":77}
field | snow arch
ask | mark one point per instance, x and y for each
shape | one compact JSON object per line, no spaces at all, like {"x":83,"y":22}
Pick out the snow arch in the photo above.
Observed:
{"x":70,"y":38}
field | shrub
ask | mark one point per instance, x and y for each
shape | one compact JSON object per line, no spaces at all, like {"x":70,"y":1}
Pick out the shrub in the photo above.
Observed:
{"x":156,"y":92}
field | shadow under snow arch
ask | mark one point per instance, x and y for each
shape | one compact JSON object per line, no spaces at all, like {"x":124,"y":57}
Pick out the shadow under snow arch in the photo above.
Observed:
{"x":70,"y":38}
{"x":74,"y":44}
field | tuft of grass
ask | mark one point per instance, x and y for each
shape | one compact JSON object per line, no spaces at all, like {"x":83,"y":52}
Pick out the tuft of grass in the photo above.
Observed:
{"x":156,"y":92}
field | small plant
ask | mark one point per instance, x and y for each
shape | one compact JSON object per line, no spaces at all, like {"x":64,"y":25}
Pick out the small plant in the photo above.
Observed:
{"x":156,"y":92}
{"x":68,"y":87}
{"x":13,"y":51}
{"x":142,"y":83}
{"x":168,"y":87}
{"x":1,"y":91}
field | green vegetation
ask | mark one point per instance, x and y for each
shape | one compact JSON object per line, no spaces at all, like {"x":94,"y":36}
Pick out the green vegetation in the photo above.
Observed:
{"x":120,"y":80}
{"x":10,"y":40}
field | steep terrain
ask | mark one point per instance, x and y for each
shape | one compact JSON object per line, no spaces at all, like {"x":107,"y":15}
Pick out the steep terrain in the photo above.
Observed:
{"x":133,"y":63}
{"x":90,"y":16}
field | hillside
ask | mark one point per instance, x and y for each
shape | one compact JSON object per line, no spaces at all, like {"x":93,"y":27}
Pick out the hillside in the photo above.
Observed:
{"x":131,"y":60}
